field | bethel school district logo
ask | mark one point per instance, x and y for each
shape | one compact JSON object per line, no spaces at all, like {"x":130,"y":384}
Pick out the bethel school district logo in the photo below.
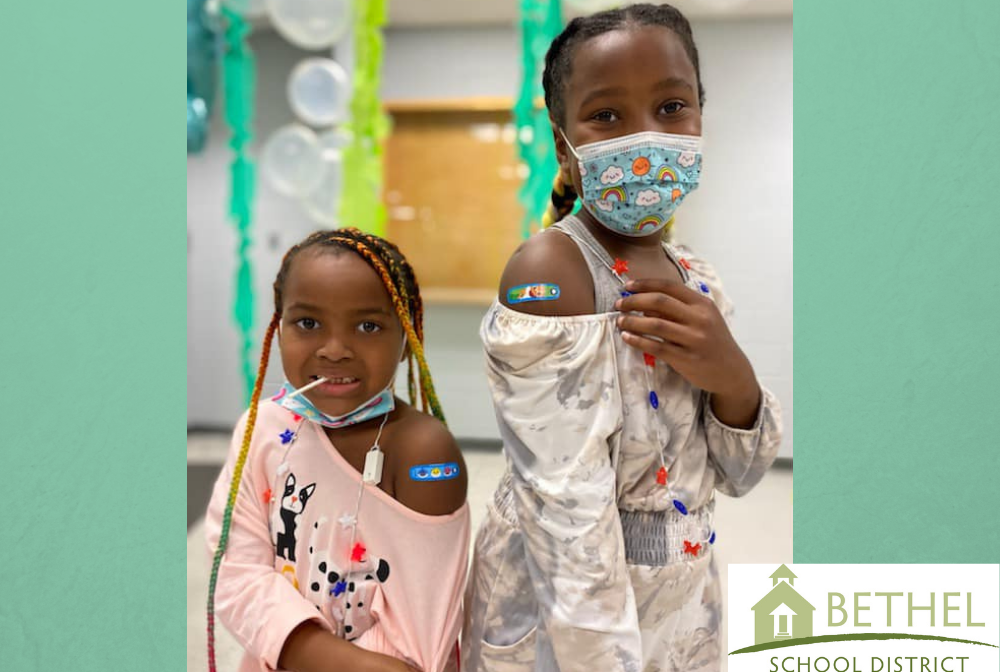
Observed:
{"x":783,"y":613}
{"x":864,"y":618}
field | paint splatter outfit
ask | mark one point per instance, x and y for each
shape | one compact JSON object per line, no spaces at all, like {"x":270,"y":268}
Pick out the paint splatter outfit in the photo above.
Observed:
{"x":593,"y":555}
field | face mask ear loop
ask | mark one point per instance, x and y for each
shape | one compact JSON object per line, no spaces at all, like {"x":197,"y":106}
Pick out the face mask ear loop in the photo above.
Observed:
{"x":399,"y":360}
{"x":572,"y":149}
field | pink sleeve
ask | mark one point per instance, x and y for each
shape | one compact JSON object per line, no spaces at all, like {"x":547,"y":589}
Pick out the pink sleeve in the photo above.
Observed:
{"x":420,"y":614}
{"x":252,"y":600}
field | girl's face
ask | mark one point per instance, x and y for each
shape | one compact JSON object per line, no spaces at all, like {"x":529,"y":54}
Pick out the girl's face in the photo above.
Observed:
{"x":338,"y":322}
{"x":627,"y":81}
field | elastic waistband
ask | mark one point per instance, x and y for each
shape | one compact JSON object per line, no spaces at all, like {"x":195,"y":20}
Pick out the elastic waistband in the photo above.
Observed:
{"x":661,"y":538}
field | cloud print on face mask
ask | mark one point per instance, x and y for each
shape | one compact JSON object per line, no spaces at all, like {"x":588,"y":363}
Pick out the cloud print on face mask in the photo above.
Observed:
{"x":606,"y":206}
{"x":612,"y":175}
{"x":686,"y":159}
{"x":647,"y":197}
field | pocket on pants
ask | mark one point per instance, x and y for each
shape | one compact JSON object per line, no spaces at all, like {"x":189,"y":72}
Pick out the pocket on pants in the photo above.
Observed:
{"x":516,"y":657}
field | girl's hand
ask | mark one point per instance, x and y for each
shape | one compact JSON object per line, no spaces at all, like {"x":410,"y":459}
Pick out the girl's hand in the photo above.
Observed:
{"x":310,"y":648}
{"x":695,"y":341}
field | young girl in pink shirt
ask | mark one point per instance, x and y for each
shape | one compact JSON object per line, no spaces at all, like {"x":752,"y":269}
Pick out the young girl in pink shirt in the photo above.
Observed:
{"x":339,"y":522}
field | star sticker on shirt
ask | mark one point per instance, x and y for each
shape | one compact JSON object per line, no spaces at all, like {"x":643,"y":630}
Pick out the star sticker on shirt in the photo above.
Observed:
{"x":648,"y":359}
{"x":358,"y":552}
{"x":661,"y":476}
{"x":286,"y":436}
{"x":691,"y":549}
{"x":621,"y":266}
{"x":347,"y":520}
{"x":267,"y":496}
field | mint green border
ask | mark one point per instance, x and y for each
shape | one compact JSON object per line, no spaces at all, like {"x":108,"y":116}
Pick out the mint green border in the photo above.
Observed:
{"x":92,"y":269}
{"x":897,"y":203}
{"x":897,"y":281}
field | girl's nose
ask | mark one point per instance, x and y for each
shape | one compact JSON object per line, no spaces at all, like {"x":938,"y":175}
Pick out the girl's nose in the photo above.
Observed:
{"x":334,"y":349}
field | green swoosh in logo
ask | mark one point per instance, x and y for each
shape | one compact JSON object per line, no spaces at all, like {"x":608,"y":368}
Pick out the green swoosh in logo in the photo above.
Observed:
{"x":851,"y":638}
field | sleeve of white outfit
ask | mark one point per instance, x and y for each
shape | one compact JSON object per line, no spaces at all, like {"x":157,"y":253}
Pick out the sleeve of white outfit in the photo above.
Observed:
{"x":557,"y":400}
{"x":252,"y":600}
{"x":741,"y":456}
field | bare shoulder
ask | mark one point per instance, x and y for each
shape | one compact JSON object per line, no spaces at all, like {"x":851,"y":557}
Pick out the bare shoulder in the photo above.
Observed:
{"x":429,"y":472}
{"x":544,"y":261}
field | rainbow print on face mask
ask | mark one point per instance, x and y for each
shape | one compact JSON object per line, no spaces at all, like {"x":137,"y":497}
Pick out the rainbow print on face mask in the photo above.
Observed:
{"x":633,"y":184}
{"x":614,"y":194}
{"x":666,"y":174}
{"x":649,"y":225}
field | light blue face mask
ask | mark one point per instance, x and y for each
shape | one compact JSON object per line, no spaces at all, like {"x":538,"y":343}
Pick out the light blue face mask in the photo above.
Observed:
{"x":381,"y":404}
{"x":633,"y":184}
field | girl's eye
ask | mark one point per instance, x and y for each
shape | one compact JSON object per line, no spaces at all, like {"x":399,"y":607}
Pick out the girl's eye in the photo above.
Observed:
{"x":673,"y":107}
{"x":307,"y":323}
{"x":369,"y":327}
{"x":606,"y":116}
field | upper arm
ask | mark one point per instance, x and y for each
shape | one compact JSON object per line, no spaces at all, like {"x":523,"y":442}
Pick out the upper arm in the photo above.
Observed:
{"x":428,"y":442}
{"x":551,"y":258}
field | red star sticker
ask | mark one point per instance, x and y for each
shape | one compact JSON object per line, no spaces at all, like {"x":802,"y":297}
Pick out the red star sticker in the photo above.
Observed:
{"x":621,"y":266}
{"x":661,"y":476}
{"x":685,"y":264}
{"x":691,"y":550}
{"x":296,"y":417}
{"x":358,"y":552}
{"x":649,"y":359}
{"x":267,"y":496}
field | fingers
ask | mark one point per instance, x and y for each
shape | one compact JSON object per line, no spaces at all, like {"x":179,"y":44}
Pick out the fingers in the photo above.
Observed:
{"x":677,"y":290}
{"x":655,"y":303}
{"x":665,"y":330}
{"x":664,"y":351}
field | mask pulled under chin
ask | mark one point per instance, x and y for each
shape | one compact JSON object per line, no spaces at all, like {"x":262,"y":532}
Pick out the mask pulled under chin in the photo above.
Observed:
{"x":382,"y":403}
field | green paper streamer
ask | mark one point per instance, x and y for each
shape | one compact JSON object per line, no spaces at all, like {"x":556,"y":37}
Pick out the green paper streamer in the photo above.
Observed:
{"x":238,"y":76}
{"x":360,"y":202}
{"x":541,"y":22}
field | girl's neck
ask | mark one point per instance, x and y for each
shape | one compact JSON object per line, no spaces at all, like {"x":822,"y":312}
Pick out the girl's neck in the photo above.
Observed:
{"x":618,"y":245}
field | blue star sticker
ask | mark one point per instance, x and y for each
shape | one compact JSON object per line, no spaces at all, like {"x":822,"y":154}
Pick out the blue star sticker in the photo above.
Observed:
{"x":286,"y":436}
{"x":339,"y":588}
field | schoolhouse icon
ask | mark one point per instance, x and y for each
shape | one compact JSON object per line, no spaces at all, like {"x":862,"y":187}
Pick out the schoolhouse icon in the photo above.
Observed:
{"x":782,"y":613}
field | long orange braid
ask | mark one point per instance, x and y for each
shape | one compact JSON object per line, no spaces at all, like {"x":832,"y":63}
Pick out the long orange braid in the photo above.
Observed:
{"x":234,"y":485}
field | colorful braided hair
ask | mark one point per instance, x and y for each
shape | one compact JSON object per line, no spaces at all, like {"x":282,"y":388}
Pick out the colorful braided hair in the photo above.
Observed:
{"x":401,"y":283}
{"x":559,"y":66}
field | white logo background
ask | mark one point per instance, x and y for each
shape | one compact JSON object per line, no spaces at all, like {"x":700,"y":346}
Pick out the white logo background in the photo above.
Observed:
{"x":748,"y":584}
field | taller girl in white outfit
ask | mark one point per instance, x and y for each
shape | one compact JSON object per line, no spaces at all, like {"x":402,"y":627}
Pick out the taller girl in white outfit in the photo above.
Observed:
{"x":623,"y":401}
